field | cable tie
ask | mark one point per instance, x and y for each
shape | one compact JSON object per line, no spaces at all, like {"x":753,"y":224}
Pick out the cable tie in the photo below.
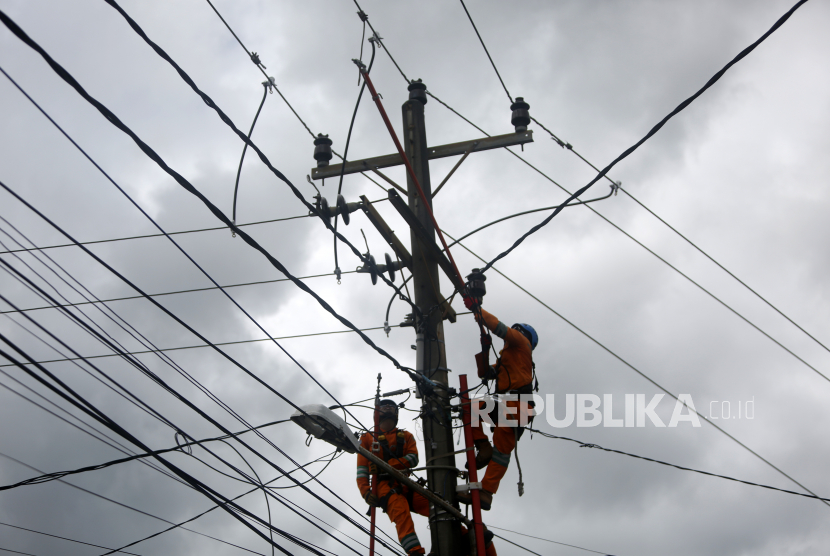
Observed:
{"x":590,"y":446}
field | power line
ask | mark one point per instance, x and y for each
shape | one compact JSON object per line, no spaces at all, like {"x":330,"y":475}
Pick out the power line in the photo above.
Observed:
{"x":63,"y":538}
{"x":537,"y":538}
{"x":197,"y":410}
{"x":177,"y":292}
{"x":154,"y":235}
{"x":651,"y":132}
{"x":8,"y":22}
{"x":45,"y":478}
{"x":492,"y":63}
{"x":75,"y":399}
{"x":636,"y":370}
{"x":114,"y":444}
{"x":164,"y":350}
{"x":589,"y":445}
{"x":230,"y":359}
{"x":573,"y":196}
{"x":142,"y":512}
{"x":569,"y":147}
{"x":112,"y":118}
{"x":615,"y":184}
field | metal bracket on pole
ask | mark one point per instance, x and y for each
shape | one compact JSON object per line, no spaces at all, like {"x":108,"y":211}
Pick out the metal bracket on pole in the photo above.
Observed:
{"x":454,"y":168}
{"x":466,"y":487}
{"x":419,"y":229}
{"x":386,"y":232}
{"x":386,"y":178}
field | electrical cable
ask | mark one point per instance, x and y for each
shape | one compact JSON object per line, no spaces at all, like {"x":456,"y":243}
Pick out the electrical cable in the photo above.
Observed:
{"x":182,"y":523}
{"x":530,"y":212}
{"x":570,"y":148}
{"x":538,"y":538}
{"x":47,"y":477}
{"x":192,"y":290}
{"x":179,"y":179}
{"x":189,"y":404}
{"x":589,"y":445}
{"x":109,"y":442}
{"x":184,"y":183}
{"x":65,"y":311}
{"x":164,"y":350}
{"x":651,"y":132}
{"x":346,"y":149}
{"x":225,"y":355}
{"x":215,"y":228}
{"x":636,"y":370}
{"x":638,"y":242}
{"x":113,"y":119}
{"x":62,"y":538}
{"x":86,"y":328}
{"x":123,"y":505}
{"x":265,"y":86}
{"x":71,"y":396}
{"x":759,"y":296}
{"x":201,"y":413}
{"x":492,"y":63}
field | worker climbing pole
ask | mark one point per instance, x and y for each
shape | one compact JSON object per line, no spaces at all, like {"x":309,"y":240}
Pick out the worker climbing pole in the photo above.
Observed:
{"x":449,"y":536}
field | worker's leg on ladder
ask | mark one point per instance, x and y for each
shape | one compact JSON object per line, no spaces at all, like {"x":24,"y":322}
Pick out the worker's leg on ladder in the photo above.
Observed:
{"x":504,"y":440}
{"x":398,"y":509}
{"x":420,"y":505}
{"x":478,"y":424}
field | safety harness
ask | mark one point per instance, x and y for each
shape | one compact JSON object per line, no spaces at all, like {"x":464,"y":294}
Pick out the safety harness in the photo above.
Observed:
{"x":388,"y":454}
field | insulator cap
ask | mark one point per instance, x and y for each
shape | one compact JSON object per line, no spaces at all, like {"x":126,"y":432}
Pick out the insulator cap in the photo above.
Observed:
{"x":475,"y":284}
{"x":521,"y":117}
{"x":322,"y":150}
{"x":417,"y":91}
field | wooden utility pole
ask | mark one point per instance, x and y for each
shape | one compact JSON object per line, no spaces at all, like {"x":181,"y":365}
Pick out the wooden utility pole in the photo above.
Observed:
{"x":431,"y":353}
{"x":424,"y":263}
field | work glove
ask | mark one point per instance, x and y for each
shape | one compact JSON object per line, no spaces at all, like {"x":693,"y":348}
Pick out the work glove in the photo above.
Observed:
{"x":371,"y":499}
{"x":471,"y":303}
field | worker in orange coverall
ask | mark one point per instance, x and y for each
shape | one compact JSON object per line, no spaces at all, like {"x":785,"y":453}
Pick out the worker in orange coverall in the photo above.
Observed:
{"x":513,"y":373}
{"x":398,"y":449}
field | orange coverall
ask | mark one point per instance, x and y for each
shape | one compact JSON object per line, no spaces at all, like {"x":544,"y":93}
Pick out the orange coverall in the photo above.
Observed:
{"x":397,"y":506}
{"x":514,"y":369}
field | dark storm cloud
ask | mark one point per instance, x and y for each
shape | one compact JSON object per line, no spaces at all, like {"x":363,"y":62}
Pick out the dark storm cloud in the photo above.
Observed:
{"x":741,"y":172}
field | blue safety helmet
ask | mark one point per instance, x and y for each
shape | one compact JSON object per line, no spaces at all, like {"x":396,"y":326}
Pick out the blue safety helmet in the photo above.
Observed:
{"x":529,"y":333}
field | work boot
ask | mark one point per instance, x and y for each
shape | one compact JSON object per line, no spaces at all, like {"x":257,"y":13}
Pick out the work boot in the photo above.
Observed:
{"x":485,"y":452}
{"x":485,"y":497}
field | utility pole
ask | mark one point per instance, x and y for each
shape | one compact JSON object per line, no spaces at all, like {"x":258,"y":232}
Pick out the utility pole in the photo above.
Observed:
{"x":431,"y":352}
{"x":424,"y":263}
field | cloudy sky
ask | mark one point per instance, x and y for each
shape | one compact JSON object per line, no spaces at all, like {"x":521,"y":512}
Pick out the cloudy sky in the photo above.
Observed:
{"x":742,"y":173}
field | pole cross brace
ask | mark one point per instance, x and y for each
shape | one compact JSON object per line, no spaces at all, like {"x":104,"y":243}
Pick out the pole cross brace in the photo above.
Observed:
{"x":442,"y":151}
{"x":423,"y":235}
